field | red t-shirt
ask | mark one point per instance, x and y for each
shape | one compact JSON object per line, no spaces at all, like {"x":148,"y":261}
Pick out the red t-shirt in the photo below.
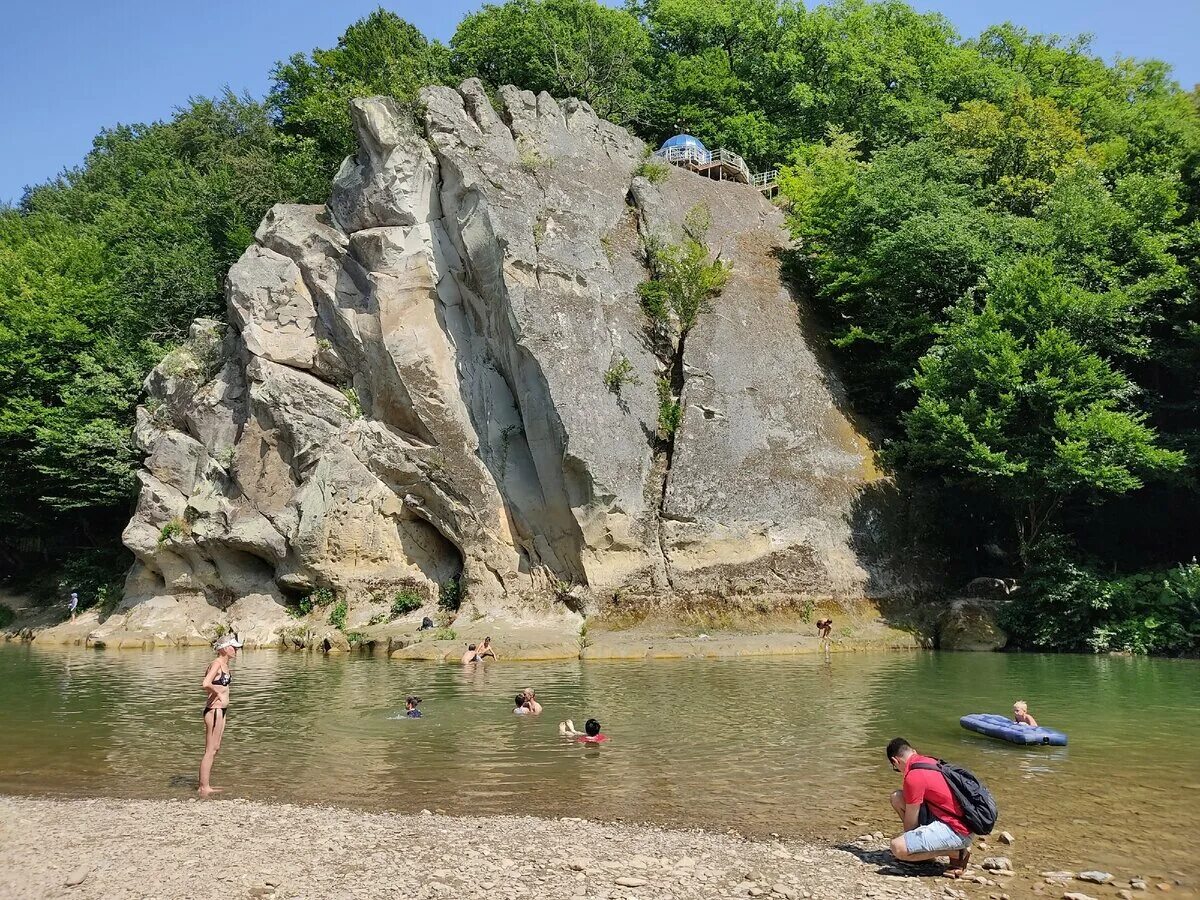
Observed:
{"x":598,"y":739}
{"x":929,"y":786}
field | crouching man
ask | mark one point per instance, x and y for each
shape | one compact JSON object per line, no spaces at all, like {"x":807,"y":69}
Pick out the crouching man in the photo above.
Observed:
{"x":932,"y":817}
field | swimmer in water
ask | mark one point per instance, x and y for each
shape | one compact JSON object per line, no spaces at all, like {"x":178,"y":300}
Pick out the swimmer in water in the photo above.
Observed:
{"x":410,"y":707}
{"x":590,"y":734}
{"x":535,"y":708}
{"x":520,"y":705}
{"x":216,"y":685}
{"x":470,"y":656}
{"x":1021,"y":714}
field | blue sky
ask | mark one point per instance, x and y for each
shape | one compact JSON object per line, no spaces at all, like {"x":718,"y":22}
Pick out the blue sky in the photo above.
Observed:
{"x":71,"y":67}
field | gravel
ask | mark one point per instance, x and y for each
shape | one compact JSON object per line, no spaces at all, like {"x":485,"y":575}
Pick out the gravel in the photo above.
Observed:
{"x":236,"y":848}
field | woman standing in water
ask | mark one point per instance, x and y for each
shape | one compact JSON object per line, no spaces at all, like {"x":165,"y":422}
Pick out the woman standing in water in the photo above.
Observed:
{"x":216,"y":707}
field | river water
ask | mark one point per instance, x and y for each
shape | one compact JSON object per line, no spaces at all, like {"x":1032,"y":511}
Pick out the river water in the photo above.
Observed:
{"x":790,"y":745}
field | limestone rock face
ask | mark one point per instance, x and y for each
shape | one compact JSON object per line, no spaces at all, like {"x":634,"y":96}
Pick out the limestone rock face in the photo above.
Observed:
{"x":410,"y":389}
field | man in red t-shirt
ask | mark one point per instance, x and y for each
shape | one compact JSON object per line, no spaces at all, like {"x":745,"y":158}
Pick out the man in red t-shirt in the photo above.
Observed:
{"x":933,"y":819}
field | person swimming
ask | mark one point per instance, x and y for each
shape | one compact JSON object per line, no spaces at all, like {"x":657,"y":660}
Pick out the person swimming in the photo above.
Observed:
{"x":590,"y":734}
{"x":470,"y":656}
{"x":410,"y":707}
{"x":520,"y":705}
{"x":535,"y":708}
{"x":216,"y":683}
{"x":1021,"y":714}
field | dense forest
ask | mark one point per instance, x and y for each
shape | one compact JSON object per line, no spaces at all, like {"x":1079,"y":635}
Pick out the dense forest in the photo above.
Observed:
{"x":1000,"y":237}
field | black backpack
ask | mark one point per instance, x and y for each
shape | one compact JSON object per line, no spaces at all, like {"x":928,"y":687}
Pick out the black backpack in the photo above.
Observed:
{"x":978,"y":804}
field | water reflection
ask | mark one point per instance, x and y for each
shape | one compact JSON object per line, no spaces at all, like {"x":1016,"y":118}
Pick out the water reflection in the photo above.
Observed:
{"x":787,"y":745}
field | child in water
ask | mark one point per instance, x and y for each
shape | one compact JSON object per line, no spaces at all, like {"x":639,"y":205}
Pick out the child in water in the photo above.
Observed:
{"x":520,"y":705}
{"x":1021,"y":714}
{"x":410,"y":707}
{"x":590,"y":734}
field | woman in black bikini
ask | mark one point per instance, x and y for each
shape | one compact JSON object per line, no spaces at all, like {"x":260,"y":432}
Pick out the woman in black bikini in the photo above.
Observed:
{"x":216,"y":686}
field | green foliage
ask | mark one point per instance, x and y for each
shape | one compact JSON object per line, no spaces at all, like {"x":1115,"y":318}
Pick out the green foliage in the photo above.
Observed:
{"x":174,"y":530}
{"x":620,"y":374}
{"x":380,"y":54}
{"x":320,"y":597}
{"x":337,"y":615}
{"x":352,"y":401}
{"x":450,"y":595}
{"x":355,"y":637}
{"x":683,"y":283}
{"x":1012,"y":401}
{"x":1071,"y":606}
{"x":444,"y":634}
{"x":406,"y":600}
{"x":571,"y":48}
{"x":653,"y":170}
{"x":670,"y":411}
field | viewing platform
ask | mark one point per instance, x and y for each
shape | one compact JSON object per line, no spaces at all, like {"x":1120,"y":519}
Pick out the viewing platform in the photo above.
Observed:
{"x":689,"y":153}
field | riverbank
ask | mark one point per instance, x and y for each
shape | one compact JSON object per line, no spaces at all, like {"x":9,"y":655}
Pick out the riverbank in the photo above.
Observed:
{"x":221,"y":849}
{"x":534,"y":636}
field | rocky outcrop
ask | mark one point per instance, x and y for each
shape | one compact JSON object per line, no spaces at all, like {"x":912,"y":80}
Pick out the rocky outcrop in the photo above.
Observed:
{"x":971,"y":623}
{"x":410,"y":390}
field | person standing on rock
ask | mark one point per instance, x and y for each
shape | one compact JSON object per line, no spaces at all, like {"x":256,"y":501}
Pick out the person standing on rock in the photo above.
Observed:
{"x":216,"y":708}
{"x":932,"y":816}
{"x":73,"y":604}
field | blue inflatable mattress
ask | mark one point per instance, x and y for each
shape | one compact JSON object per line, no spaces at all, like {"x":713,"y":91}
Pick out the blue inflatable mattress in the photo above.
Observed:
{"x":1007,"y":730}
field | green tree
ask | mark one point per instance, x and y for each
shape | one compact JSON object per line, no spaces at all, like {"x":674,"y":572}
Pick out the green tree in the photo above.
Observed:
{"x":571,"y":48}
{"x":379,"y":54}
{"x":1011,"y":402}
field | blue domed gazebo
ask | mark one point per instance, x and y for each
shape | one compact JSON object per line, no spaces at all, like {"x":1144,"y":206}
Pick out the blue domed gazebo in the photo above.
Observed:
{"x":685,"y":140}
{"x":689,"y":152}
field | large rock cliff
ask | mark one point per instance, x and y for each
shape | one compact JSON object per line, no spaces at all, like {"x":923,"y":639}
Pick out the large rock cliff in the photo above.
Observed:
{"x":411,"y":389}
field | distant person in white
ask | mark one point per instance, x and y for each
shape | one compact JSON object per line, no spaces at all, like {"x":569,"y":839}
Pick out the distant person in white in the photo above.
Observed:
{"x":73,"y":605}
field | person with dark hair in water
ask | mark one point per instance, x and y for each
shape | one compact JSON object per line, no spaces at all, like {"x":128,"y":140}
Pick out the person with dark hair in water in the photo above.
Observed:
{"x":520,"y":705}
{"x":590,"y":734}
{"x":410,"y":707}
{"x":471,"y":655}
{"x":932,"y":816}
{"x":217,"y":679}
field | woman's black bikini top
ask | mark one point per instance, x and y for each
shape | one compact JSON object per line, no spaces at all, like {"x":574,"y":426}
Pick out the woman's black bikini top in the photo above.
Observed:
{"x":223,"y":679}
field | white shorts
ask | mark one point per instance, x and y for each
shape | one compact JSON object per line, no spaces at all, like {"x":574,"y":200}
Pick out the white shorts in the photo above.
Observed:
{"x":936,"y":837}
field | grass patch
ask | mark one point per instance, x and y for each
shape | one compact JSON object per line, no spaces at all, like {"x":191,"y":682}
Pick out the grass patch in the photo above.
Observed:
{"x":652,"y":170}
{"x":445,"y":634}
{"x":619,"y":375}
{"x":337,"y":615}
{"x":450,"y":594}
{"x":406,"y":600}
{"x":175,"y":529}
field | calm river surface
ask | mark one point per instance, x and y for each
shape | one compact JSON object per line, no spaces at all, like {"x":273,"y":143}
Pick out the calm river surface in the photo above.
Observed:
{"x":789,"y":745}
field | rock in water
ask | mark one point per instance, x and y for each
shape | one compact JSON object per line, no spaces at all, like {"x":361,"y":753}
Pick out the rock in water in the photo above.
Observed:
{"x":411,"y":389}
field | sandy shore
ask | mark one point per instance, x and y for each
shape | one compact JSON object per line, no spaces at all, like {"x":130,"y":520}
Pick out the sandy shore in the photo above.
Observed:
{"x":236,"y":848}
